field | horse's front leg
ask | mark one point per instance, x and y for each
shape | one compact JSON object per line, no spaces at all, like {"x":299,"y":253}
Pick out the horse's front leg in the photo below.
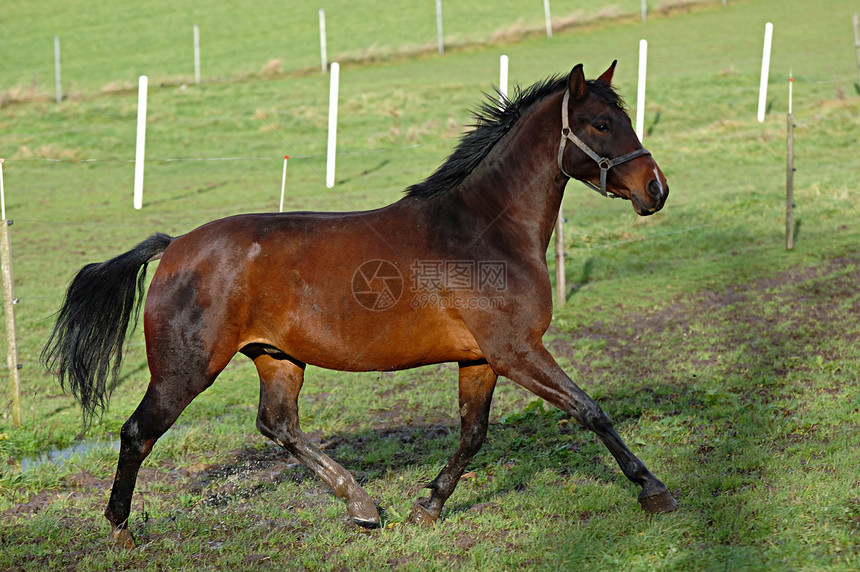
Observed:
{"x":476,"y":384}
{"x":540,"y":374}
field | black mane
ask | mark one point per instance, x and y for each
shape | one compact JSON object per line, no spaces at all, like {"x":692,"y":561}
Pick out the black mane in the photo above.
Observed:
{"x":491,"y":124}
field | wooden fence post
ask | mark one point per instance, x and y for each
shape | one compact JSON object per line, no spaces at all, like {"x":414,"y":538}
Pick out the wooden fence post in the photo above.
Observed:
{"x":789,"y":186}
{"x":789,"y":173}
{"x":560,"y":286}
{"x":9,"y":309}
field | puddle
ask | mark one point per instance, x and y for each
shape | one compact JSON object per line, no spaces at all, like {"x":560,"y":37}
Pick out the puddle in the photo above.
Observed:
{"x":60,"y":456}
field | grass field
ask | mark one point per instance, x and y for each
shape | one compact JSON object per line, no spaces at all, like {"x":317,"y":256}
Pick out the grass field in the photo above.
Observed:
{"x":106,"y":48}
{"x":728,"y":364}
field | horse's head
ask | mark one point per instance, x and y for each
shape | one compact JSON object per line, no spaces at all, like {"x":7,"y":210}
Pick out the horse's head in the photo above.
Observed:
{"x":600,"y":148}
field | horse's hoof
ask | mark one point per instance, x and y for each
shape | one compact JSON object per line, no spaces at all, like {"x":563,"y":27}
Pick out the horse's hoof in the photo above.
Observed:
{"x":421,"y":516}
{"x":122,"y":537}
{"x":369,"y":524}
{"x":658,"y":502}
{"x":363,"y":513}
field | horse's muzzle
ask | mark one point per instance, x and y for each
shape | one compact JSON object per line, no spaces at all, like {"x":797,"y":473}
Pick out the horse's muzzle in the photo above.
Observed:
{"x":653,"y":200}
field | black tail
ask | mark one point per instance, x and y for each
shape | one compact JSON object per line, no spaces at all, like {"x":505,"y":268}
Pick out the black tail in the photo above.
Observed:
{"x":85,"y":348}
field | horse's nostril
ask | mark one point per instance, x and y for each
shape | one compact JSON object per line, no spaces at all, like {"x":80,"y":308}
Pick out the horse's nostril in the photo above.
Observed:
{"x":655,"y":189}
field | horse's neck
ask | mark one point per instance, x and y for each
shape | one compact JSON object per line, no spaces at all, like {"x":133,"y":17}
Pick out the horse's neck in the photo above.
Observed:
{"x":518,"y":186}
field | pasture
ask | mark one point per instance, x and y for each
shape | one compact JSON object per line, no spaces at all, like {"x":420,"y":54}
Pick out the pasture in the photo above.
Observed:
{"x":727,"y":364}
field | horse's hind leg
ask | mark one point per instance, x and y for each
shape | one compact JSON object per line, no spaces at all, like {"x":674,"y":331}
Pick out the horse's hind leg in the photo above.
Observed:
{"x":165,"y":399}
{"x":476,"y":385}
{"x":278,"y":419}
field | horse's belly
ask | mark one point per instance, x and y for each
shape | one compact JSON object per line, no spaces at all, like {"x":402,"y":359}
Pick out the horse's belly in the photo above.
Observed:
{"x":382,"y":344}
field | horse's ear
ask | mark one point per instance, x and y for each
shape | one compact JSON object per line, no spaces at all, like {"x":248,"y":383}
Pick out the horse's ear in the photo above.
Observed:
{"x":607,"y":75}
{"x":578,"y":88}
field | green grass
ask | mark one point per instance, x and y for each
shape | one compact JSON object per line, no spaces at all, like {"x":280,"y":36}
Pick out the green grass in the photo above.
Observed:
{"x":728,"y":364}
{"x":105,"y":48}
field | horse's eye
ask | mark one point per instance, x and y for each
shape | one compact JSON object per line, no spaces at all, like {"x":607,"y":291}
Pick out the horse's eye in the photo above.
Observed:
{"x":602,"y":127}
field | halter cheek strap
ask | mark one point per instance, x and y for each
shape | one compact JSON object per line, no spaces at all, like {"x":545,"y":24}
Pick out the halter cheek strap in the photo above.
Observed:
{"x":603,"y":162}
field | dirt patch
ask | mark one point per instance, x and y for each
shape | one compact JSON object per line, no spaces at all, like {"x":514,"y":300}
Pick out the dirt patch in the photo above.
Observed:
{"x":86,"y":480}
{"x":78,"y":485}
{"x":34,"y":504}
{"x":773,"y":320}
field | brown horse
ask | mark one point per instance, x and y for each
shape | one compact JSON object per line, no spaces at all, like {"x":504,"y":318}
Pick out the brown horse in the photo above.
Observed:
{"x":455,"y":271}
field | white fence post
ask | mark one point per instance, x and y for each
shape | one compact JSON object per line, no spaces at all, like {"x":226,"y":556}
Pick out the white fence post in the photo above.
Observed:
{"x":332,"y":124}
{"x":57,"y":71}
{"x":439,"y":37}
{"x":548,"y":18}
{"x":196,"y":53}
{"x":640,"y":92}
{"x":765,"y":71}
{"x":856,"y":45}
{"x":140,"y":147}
{"x":503,"y":80}
{"x":283,"y":183}
{"x":323,"y":50}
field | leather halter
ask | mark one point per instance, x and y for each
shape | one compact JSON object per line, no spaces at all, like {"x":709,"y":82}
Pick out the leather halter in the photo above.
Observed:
{"x":603,"y":162}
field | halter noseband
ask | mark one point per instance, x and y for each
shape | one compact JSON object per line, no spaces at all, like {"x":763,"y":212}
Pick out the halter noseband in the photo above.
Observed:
{"x":603,"y":162}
